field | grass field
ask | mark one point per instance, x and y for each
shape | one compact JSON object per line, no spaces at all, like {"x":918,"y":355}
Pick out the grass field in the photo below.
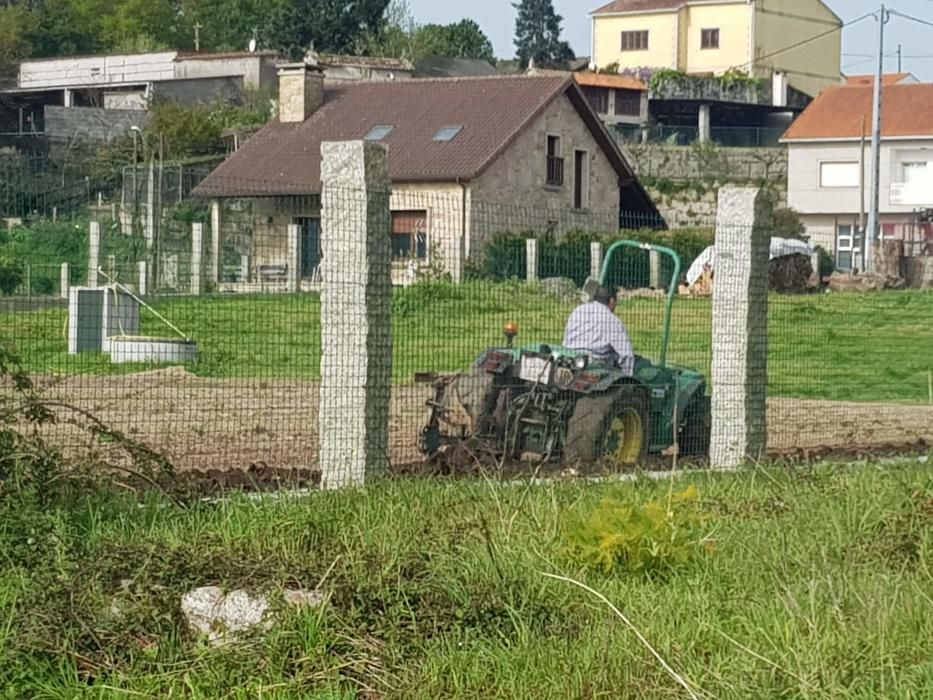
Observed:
{"x":793,"y":584}
{"x":863,"y":347}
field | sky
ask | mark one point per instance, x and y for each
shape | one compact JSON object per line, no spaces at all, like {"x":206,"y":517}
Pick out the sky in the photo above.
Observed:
{"x":497,"y":18}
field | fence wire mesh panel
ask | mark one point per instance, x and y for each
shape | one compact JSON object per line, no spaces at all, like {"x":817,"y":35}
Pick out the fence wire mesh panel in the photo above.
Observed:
{"x":205,"y":332}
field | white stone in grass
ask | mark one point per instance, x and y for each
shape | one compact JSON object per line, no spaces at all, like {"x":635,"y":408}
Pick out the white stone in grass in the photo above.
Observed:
{"x":222,"y":617}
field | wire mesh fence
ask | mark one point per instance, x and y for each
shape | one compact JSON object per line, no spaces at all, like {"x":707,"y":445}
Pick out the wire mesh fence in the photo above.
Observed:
{"x":845,"y":371}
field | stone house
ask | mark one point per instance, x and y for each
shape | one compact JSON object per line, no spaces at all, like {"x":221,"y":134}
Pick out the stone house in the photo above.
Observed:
{"x":829,"y":168}
{"x":468,"y":157}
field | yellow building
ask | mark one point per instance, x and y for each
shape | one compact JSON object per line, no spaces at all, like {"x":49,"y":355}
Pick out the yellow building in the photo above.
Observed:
{"x":761,"y":37}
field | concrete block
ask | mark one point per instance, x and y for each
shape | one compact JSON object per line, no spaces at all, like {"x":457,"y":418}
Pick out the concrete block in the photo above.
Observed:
{"x":97,"y":314}
{"x":356,"y":314}
{"x":740,"y":327}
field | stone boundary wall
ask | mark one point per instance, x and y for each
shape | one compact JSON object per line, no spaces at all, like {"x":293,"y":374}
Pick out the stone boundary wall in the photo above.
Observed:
{"x":707,"y":162}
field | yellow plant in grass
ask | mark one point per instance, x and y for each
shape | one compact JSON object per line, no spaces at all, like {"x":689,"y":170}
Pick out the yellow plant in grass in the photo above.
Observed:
{"x":652,"y":538}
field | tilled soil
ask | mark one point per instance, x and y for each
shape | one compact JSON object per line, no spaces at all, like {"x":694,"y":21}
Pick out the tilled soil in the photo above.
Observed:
{"x":270,"y":426}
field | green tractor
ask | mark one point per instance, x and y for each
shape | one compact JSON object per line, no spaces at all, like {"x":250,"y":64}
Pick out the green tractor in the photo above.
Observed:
{"x":545,"y":402}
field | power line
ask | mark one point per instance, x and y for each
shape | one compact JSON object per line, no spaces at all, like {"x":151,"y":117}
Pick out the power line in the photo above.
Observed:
{"x":911,"y":18}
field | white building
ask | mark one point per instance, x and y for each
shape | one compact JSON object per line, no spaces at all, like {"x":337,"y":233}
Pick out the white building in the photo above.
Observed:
{"x":829,"y":169}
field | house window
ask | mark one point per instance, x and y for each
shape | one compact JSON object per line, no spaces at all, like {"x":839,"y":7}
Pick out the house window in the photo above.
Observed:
{"x":598,"y":99}
{"x":409,"y":235}
{"x":848,"y":247}
{"x":581,"y":180}
{"x":916,"y":172}
{"x":377,"y":133}
{"x":555,"y":162}
{"x":628,"y":103}
{"x":839,"y":174}
{"x":635,"y":41}
{"x":709,"y":39}
{"x":447,"y":133}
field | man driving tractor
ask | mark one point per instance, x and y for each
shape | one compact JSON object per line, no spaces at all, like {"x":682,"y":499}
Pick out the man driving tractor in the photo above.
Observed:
{"x":594,"y":328}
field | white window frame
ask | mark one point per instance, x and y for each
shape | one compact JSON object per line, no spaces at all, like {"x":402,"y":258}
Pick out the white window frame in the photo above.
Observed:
{"x":846,"y":183}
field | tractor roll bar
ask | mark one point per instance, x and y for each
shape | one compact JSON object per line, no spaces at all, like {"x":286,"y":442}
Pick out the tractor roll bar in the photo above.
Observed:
{"x":671,"y":294}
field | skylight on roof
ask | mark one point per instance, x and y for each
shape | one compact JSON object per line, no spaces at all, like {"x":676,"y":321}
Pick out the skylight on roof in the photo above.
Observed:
{"x":448,"y":133}
{"x":377,"y":133}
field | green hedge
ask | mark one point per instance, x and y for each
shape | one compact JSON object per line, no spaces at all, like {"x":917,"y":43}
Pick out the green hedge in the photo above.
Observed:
{"x":504,"y":257}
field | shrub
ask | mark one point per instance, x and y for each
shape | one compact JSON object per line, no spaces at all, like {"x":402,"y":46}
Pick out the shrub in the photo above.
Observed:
{"x":11,"y":273}
{"x":651,"y":539}
{"x":504,"y":256}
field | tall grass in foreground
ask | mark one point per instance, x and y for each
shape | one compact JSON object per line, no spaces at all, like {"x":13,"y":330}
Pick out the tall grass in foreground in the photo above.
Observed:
{"x":811,"y":584}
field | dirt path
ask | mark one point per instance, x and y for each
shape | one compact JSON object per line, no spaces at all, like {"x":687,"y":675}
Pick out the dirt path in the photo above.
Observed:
{"x":235,"y":423}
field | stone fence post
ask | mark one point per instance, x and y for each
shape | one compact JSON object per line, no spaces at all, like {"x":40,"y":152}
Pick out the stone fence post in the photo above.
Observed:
{"x":197,"y":256}
{"x":93,"y":260}
{"x":740,"y":327}
{"x":531,"y":260}
{"x":65,"y":281}
{"x":294,"y":258}
{"x":356,"y":313}
{"x":216,"y":224}
{"x":143,"y":287}
{"x":596,"y":259}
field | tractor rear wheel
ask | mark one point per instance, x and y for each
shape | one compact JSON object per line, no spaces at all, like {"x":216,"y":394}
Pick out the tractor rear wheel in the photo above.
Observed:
{"x":477,"y":391}
{"x":613,"y":426}
{"x":697,"y":427}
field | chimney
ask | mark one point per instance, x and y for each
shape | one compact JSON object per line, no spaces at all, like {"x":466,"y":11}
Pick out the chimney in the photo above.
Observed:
{"x":301,"y":91}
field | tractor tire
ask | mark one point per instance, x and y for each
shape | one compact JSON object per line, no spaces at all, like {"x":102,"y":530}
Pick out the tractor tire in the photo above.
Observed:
{"x":592,"y":422}
{"x":478,"y":393}
{"x":697,"y":427}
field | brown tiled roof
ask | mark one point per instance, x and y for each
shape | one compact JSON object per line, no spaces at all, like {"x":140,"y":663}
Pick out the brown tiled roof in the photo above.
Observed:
{"x":838,"y":112}
{"x":887,"y":79}
{"x":639,"y":6}
{"x":284,"y":159}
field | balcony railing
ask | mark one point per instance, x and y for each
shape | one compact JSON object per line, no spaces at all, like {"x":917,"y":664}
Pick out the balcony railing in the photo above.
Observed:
{"x":912,"y":194}
{"x":555,"y":171}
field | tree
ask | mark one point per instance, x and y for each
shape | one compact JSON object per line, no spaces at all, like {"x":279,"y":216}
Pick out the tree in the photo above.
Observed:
{"x":464,"y":39}
{"x":16,"y":25}
{"x":326,"y":25}
{"x":401,"y":37}
{"x":537,"y":34}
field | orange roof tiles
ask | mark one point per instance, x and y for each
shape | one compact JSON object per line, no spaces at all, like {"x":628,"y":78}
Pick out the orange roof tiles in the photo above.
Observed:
{"x":838,"y":113}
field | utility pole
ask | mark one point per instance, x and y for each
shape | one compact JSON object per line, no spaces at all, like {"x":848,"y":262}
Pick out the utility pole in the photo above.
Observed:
{"x":871,"y":234}
{"x":197,"y":37}
{"x":900,"y":58}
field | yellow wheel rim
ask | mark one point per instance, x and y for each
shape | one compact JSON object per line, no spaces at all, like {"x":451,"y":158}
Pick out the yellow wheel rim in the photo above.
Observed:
{"x":625,"y":437}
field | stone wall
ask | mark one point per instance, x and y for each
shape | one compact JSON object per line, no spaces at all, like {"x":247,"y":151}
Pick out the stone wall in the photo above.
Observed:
{"x":694,"y":203}
{"x":706,"y":161}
